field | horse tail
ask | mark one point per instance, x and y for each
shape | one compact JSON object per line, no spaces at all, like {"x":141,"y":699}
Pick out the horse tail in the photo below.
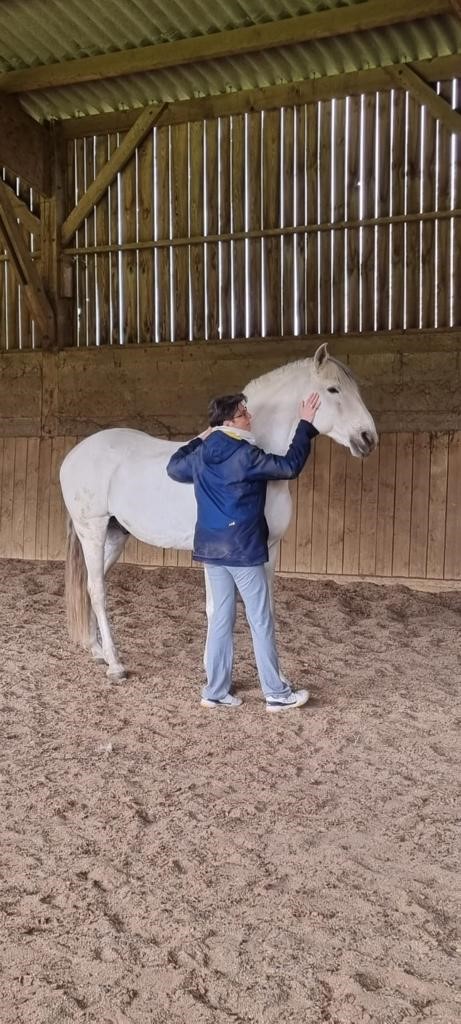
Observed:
{"x":78,"y":605}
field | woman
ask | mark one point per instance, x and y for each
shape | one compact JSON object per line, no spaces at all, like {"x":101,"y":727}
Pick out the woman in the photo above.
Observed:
{"x":230,"y":473}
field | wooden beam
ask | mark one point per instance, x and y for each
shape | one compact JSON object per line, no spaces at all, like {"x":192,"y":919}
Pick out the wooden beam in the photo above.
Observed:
{"x":27,"y":218}
{"x":24,"y":145}
{"x":438,"y":69}
{"x":53,"y":264}
{"x":309,"y":90}
{"x":143,"y":124}
{"x":404,"y":77}
{"x":26,"y":271}
{"x":370,"y":14}
{"x":257,"y":233}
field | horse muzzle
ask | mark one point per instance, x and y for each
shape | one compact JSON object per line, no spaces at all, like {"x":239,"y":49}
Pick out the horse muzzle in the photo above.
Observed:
{"x":363,"y":443}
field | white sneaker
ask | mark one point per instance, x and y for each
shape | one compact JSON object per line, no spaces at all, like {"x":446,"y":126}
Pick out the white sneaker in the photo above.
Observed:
{"x":294,"y":700}
{"x":227,"y":702}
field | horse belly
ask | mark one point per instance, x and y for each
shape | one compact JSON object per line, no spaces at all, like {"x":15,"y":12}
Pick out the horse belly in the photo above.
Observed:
{"x":153,"y":508}
{"x":278,"y":509}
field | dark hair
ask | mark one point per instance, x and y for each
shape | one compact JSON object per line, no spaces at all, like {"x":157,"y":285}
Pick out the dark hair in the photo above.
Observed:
{"x":224,"y":408}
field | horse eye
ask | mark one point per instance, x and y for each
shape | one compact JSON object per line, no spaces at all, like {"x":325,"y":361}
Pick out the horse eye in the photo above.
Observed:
{"x":333,"y":391}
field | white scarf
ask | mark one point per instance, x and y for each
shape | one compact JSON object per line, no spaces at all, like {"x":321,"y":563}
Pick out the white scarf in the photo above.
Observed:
{"x":242,"y":435}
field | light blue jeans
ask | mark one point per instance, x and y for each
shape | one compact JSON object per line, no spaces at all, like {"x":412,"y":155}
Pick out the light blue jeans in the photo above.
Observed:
{"x":222,"y":583}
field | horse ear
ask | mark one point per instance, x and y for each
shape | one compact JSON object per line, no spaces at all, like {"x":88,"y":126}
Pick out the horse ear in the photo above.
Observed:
{"x":321,"y":356}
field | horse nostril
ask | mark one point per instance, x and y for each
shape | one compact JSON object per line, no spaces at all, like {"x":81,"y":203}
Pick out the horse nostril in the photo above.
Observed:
{"x":367,"y":439}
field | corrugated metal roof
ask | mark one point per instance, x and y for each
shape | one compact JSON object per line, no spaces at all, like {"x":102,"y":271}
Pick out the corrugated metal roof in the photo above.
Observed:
{"x":37,"y":32}
{"x":42,"y":31}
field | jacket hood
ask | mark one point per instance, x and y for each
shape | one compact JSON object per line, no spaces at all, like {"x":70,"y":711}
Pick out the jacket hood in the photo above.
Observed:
{"x":221,"y":444}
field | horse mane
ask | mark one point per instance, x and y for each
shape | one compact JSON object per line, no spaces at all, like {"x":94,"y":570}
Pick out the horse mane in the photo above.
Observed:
{"x":277,"y":375}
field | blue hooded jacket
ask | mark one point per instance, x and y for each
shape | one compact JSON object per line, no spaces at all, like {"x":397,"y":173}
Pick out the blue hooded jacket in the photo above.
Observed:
{"x":230,"y":476}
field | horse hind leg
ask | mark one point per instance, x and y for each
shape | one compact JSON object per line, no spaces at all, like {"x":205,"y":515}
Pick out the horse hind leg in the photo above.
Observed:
{"x":116,"y":538}
{"x":93,"y":539}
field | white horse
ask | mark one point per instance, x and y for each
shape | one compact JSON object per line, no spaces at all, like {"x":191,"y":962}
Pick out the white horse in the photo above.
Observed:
{"x":114,"y":483}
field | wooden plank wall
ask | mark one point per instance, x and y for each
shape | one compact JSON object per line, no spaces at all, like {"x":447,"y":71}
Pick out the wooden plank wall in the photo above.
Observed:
{"x":334,"y":217}
{"x":17,"y":329}
{"x":321,"y":218}
{"x":394,"y":514}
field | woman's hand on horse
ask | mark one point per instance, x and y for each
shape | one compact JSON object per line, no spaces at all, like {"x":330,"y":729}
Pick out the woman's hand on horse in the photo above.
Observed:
{"x":309,"y":406}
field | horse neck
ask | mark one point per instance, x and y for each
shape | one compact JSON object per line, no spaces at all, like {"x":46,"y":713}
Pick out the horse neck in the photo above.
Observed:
{"x":273,"y":401}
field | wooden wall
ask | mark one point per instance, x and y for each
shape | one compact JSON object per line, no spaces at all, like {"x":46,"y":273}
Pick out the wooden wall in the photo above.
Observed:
{"x":410,"y":380}
{"x":331,"y":217}
{"x":339,"y":216}
{"x":394,"y":514}
{"x":336,"y":220}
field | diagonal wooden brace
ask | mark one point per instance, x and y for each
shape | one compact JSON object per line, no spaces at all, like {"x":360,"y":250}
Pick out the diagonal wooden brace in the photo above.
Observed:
{"x":404,"y":77}
{"x":149,"y":117}
{"x":25,"y":268}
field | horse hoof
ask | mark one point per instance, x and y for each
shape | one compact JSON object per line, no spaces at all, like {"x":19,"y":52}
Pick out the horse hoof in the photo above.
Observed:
{"x":98,"y":658}
{"x":116,"y":673}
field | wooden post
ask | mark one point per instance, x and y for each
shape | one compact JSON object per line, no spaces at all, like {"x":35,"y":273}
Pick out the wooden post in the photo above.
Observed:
{"x":55,"y":269}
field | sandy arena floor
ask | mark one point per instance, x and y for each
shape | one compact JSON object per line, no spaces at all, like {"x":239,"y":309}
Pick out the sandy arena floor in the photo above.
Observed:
{"x":162,"y":864}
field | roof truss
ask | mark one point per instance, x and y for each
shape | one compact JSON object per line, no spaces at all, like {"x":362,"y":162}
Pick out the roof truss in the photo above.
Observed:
{"x":339,"y":21}
{"x":310,"y":90}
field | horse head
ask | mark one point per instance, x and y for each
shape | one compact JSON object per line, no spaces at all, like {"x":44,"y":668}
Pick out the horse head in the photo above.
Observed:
{"x":343,"y":415}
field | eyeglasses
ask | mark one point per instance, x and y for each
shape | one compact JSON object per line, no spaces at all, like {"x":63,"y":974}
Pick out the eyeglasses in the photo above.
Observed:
{"x":242,"y":413}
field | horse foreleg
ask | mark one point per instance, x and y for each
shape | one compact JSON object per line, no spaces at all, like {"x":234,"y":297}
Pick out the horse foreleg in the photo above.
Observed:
{"x":270,"y":573}
{"x":93,"y":543}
